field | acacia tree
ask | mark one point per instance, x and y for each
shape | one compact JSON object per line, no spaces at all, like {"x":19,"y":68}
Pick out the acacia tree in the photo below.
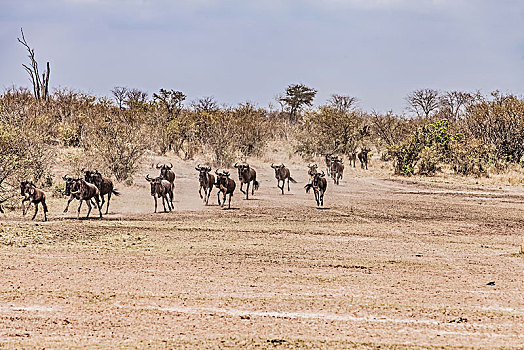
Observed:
{"x":297,"y":96}
{"x":423,"y":102}
{"x":40,"y":84}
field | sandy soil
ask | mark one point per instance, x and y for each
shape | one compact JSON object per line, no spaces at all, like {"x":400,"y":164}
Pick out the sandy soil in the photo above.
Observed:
{"x":389,"y":263}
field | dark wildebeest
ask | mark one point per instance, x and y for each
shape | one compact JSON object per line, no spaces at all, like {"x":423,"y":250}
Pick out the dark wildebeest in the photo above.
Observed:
{"x":281,"y":174}
{"x":161,"y":188}
{"x":83,"y":191}
{"x":329,"y":161}
{"x":226,"y":186}
{"x":105,"y":186}
{"x":353,"y":158}
{"x":246,"y":175}
{"x":166,"y":173}
{"x":33,"y":195}
{"x":337,"y":169}
{"x":319,"y":186}
{"x":206,"y":181}
{"x":70,"y":181}
{"x":363,"y":157}
{"x":312,"y":171}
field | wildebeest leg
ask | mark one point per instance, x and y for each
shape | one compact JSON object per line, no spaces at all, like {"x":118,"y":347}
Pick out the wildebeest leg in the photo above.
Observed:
{"x":247,"y":190}
{"x":224,"y":199}
{"x":155,"y":203}
{"x":218,"y":194}
{"x":79,"y":206}
{"x":36,"y":210}
{"x":229,"y":205}
{"x":287,"y":184}
{"x":208,"y":194}
{"x":99,"y":206}
{"x":44,"y":205}
{"x":164,"y":203}
{"x":322,"y":198}
{"x":89,"y":207}
{"x":68,"y":202}
{"x":103,"y":201}
{"x":281,"y":188}
{"x":241,"y":184}
{"x":108,"y":199}
{"x":200,"y":189}
{"x":24,"y":208}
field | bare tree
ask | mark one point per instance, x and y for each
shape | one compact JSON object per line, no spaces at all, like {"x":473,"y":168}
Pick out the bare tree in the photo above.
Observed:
{"x":454,"y":103}
{"x":423,"y":102}
{"x":120,"y":95}
{"x":205,"y":104}
{"x":40,"y":84}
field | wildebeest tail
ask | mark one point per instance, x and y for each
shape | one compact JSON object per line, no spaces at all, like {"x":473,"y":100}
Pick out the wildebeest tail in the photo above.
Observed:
{"x":256,"y":184}
{"x":115,"y":192}
{"x":292,"y":180}
{"x":308,"y":187}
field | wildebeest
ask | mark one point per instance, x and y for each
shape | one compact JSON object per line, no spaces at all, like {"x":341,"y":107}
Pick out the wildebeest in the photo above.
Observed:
{"x":337,"y":169}
{"x":281,"y":174}
{"x":329,"y":161}
{"x":319,"y":186}
{"x":161,"y":188}
{"x":206,"y":181}
{"x":225,"y":186}
{"x":352,"y":158}
{"x":105,"y":186}
{"x":33,"y":195}
{"x":312,"y":171}
{"x":363,"y":157}
{"x":166,"y":173}
{"x":83,"y":191}
{"x":246,"y":175}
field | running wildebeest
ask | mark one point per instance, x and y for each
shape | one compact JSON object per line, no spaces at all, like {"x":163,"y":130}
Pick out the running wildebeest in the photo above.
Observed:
{"x":226,"y":186}
{"x":337,"y":169}
{"x":246,"y":175}
{"x":363,"y":157}
{"x":161,"y":188}
{"x":83,"y":191}
{"x":166,"y":173}
{"x":319,"y":186}
{"x":33,"y":195}
{"x":312,"y":171}
{"x":105,"y":186}
{"x":206,"y":181}
{"x":281,"y":174}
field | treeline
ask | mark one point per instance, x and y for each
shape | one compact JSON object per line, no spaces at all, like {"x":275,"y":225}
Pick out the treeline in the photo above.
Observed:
{"x":468,"y":132}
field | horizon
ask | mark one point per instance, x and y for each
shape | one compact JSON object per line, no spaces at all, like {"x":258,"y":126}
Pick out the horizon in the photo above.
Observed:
{"x":240,"y":51}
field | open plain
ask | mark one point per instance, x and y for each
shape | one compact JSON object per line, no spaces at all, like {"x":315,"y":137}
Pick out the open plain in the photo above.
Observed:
{"x":389,"y":263}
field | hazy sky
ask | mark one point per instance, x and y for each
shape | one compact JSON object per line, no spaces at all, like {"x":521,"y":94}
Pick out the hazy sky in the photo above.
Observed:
{"x":242,"y":50}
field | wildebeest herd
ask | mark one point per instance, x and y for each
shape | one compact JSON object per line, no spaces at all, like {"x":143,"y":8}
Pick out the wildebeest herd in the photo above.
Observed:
{"x":94,"y":187}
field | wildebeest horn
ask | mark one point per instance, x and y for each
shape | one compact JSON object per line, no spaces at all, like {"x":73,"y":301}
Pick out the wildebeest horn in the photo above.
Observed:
{"x":316,"y":166}
{"x":272,"y":166}
{"x":322,"y":173}
{"x":226,"y":173}
{"x":236,"y":166}
{"x":65,"y":177}
{"x":197,"y":167}
{"x":216,"y":172}
{"x":148,"y":178}
{"x":282,"y":165}
{"x":208,"y":168}
{"x":171,"y":167}
{"x":158,"y":166}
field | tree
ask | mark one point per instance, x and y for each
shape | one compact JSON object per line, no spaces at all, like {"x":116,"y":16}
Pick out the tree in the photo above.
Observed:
{"x":423,"y":102}
{"x":120,"y":95}
{"x":453,"y":103}
{"x":297,"y":96}
{"x":171,"y":100}
{"x":343,"y":103}
{"x":40,"y":85}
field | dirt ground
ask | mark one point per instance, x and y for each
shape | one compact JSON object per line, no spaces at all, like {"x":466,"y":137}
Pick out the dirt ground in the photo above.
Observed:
{"x":389,"y":263}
